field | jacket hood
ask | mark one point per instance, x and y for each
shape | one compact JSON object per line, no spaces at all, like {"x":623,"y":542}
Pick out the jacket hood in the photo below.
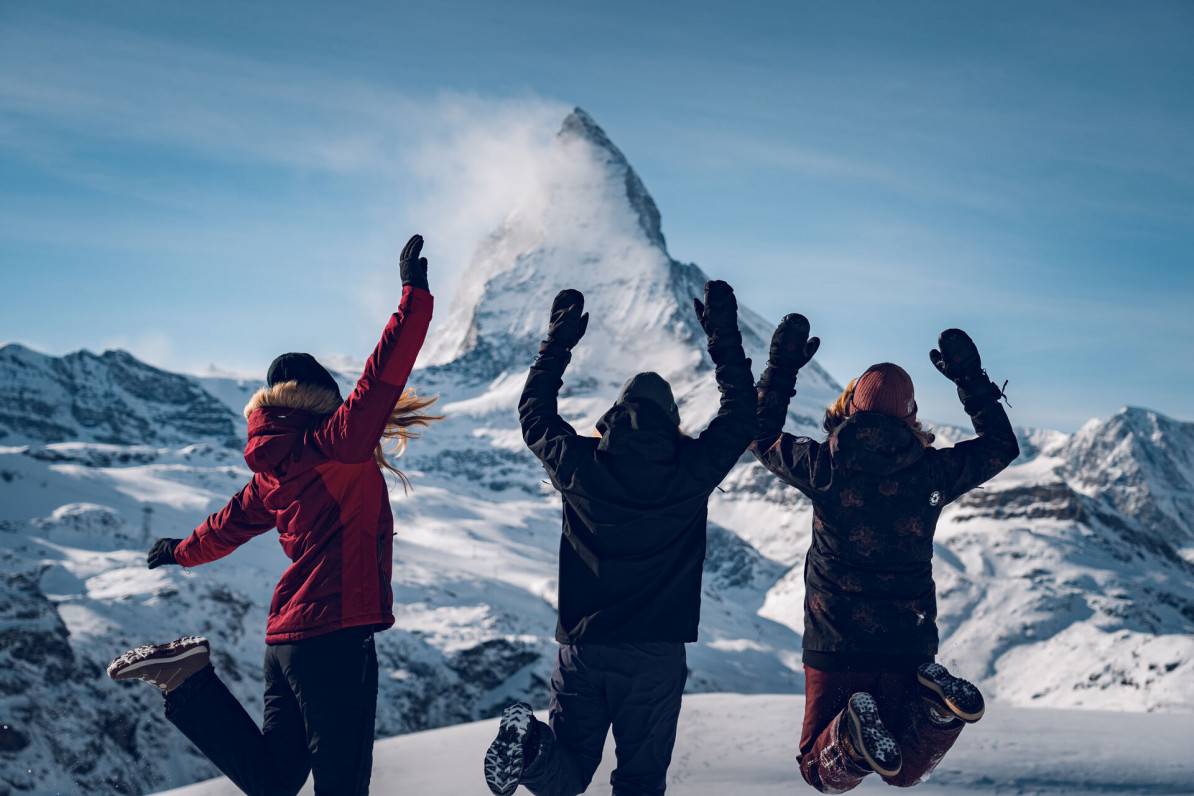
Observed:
{"x":650,"y":386}
{"x":875,"y":443}
{"x":639,"y":428}
{"x":279,"y":416}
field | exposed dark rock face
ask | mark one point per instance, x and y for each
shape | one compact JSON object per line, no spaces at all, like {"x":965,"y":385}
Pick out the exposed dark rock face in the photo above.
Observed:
{"x":113,"y":398}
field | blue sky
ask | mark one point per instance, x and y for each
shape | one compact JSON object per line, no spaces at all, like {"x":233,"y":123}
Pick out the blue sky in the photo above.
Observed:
{"x":215,"y":183}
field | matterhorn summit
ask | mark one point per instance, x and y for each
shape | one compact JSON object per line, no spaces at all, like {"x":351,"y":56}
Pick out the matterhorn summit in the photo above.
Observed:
{"x":592,"y":225}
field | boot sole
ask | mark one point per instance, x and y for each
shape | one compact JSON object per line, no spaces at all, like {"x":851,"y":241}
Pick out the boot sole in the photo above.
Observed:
{"x":121,"y":673}
{"x":961,"y":697}
{"x":503,"y":759}
{"x":871,"y":737}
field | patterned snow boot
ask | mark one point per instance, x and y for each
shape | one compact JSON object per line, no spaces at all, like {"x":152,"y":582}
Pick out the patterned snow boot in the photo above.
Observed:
{"x":163,"y":665}
{"x":512,"y":750}
{"x":949,"y":695}
{"x":874,"y":746}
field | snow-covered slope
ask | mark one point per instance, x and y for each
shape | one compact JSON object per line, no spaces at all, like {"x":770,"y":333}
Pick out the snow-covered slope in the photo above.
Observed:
{"x":1067,"y":582}
{"x":735,"y":745}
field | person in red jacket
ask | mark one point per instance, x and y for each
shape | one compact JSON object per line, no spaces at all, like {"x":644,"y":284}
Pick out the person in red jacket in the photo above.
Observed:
{"x":317,"y":462}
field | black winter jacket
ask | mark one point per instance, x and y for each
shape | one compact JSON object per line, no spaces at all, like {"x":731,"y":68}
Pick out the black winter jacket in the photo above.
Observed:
{"x":635,"y":503}
{"x":877,"y":491}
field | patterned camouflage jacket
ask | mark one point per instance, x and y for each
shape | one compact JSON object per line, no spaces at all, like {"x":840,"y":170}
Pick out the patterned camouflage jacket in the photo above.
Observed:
{"x":877,"y":491}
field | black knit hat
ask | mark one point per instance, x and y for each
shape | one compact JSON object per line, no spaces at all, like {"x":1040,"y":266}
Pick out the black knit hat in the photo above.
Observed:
{"x":302,"y":368}
{"x":651,"y":387}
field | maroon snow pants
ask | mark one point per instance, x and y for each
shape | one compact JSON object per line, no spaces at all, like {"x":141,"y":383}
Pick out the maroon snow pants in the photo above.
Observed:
{"x":823,"y":760}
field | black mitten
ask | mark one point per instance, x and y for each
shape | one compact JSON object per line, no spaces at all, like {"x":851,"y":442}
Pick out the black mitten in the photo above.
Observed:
{"x":411,"y":266}
{"x":568,"y":319}
{"x":956,"y":356}
{"x":791,"y":347}
{"x":718,"y":316}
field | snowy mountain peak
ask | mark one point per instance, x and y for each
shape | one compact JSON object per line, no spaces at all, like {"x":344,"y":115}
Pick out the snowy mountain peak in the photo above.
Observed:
{"x":1138,"y":443}
{"x":592,"y":225}
{"x":580,"y":125}
{"x":1142,"y":463}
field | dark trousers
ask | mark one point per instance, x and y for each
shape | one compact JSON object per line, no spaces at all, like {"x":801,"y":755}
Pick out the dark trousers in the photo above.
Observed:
{"x":320,"y":701}
{"x":823,"y":760}
{"x":636,"y":689}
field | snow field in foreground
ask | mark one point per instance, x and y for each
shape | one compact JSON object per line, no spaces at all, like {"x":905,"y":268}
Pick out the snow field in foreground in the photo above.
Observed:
{"x":731,"y":744}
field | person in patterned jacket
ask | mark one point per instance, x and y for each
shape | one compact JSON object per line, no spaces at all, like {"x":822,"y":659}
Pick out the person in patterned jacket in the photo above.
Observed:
{"x":875,"y":699}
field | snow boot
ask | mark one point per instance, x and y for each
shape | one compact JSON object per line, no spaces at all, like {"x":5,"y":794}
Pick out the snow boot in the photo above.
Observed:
{"x":512,"y":750}
{"x":163,"y":665}
{"x":950,"y":695}
{"x":873,"y":746}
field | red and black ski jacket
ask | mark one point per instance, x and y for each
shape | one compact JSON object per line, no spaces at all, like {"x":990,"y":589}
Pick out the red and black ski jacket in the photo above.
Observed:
{"x":877,"y":491}
{"x":315,"y":480}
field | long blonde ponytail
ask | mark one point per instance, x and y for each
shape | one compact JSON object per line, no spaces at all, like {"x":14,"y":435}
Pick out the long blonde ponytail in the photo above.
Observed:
{"x":405,"y":420}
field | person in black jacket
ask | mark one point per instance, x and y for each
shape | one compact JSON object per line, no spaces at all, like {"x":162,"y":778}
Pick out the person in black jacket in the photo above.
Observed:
{"x":631,"y":554}
{"x":870,"y":609}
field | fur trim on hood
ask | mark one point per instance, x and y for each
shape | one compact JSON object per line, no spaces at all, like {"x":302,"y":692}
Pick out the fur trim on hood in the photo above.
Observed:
{"x":292,"y":395}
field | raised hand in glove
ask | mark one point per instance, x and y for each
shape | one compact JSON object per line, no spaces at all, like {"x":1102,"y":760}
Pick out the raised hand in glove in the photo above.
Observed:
{"x":791,"y":347}
{"x":162,"y":553}
{"x":956,"y":356}
{"x":718,"y":314}
{"x":568,"y":319}
{"x":411,"y":266}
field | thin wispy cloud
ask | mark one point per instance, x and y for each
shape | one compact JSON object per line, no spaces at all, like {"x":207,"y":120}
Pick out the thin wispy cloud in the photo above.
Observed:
{"x":224,"y":107}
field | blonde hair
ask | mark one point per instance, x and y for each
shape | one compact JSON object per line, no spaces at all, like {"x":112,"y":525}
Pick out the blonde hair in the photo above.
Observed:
{"x":401,"y":427}
{"x":838,"y":411}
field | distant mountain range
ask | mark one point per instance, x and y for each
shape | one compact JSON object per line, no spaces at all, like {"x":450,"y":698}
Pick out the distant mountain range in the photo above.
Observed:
{"x":1066,"y":582}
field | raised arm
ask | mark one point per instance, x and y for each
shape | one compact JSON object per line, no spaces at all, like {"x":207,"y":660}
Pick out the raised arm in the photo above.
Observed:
{"x":791,"y":458}
{"x":719,"y":446}
{"x":353,"y":431}
{"x":546,"y":433}
{"x":244,"y":517}
{"x":968,"y":464}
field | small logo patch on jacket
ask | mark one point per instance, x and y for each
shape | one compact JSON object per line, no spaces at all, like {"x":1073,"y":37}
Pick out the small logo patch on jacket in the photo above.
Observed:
{"x":935,"y":498}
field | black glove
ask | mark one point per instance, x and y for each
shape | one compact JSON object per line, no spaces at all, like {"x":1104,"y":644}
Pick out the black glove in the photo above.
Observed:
{"x":413,"y":267}
{"x":718,"y":315}
{"x":956,"y":356}
{"x":791,"y":347}
{"x":162,"y":553}
{"x":568,"y":319}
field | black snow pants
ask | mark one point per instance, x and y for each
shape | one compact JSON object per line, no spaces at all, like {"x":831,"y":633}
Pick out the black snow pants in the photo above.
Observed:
{"x":636,"y":688}
{"x":320,"y":701}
